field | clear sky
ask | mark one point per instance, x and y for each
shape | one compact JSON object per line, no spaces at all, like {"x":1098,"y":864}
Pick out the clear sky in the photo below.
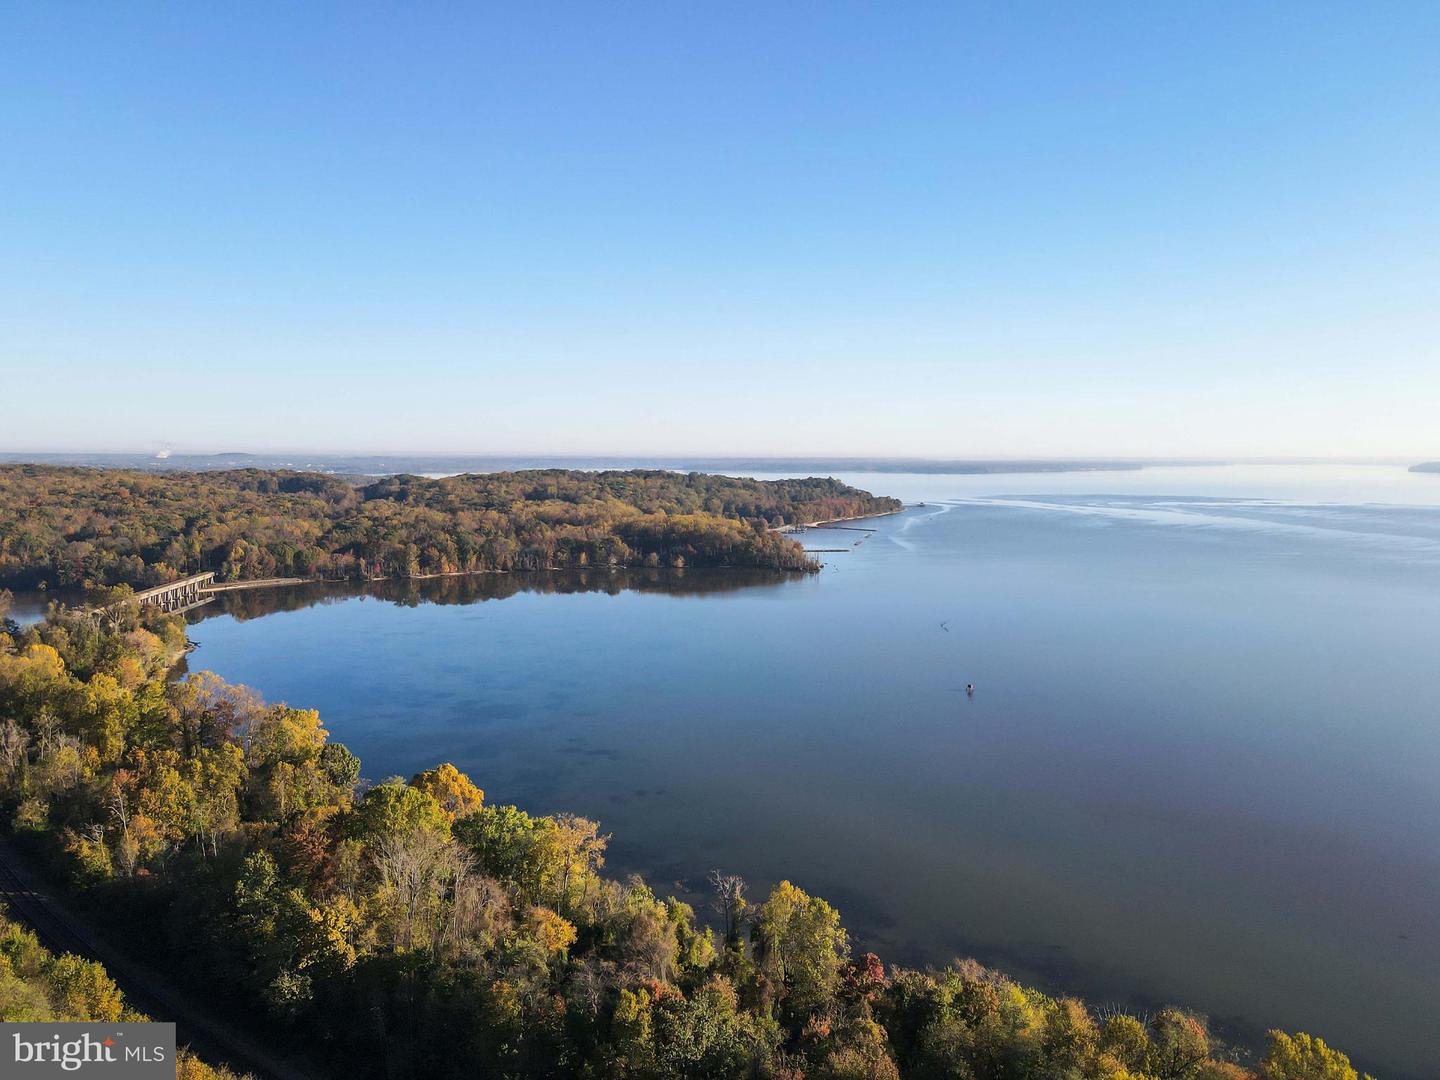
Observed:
{"x":944,"y":229}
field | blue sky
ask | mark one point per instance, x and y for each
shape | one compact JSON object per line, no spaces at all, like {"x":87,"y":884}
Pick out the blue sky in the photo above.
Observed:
{"x":903,"y":229}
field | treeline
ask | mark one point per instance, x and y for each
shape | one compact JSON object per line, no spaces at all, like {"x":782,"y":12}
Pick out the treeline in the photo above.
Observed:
{"x":64,"y":527}
{"x":416,"y":929}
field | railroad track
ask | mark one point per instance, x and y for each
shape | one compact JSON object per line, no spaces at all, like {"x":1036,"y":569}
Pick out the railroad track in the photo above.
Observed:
{"x":58,"y":931}
{"x":30,"y":909}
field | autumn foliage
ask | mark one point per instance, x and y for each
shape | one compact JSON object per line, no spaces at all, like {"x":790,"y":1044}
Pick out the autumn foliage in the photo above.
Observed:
{"x":71,"y":527}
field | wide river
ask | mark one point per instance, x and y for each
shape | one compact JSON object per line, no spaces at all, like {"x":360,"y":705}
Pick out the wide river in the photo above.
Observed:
{"x":1201,"y":764}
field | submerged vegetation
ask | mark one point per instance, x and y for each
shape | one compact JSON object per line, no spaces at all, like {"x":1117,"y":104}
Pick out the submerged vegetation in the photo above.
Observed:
{"x":417,"y":928}
{"x":73,"y":527}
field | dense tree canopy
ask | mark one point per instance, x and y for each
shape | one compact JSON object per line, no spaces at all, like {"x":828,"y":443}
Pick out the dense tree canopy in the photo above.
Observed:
{"x":70,"y":527}
{"x":419,"y":929}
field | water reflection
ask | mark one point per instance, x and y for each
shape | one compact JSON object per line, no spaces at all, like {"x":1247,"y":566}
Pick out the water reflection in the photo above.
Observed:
{"x":243,"y":604}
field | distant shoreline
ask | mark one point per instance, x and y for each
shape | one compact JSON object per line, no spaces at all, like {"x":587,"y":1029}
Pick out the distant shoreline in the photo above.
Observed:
{"x":368,"y":465}
{"x":446,"y":464}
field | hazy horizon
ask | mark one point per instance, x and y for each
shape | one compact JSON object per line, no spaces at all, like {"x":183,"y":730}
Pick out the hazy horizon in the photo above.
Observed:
{"x":270,"y":454}
{"x":1025,"y":232}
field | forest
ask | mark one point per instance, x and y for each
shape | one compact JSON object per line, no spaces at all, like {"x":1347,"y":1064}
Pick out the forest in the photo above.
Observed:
{"x":73,"y":527}
{"x":416,"y":928}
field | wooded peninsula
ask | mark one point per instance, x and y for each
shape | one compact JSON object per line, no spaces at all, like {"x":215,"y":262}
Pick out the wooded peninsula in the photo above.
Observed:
{"x":67,"y":527}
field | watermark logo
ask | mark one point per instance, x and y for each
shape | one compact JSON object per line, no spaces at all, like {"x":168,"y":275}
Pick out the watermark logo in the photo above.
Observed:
{"x":103,"y":1051}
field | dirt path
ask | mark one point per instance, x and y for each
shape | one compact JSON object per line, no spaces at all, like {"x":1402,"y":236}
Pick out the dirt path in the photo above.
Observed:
{"x":832,"y":522}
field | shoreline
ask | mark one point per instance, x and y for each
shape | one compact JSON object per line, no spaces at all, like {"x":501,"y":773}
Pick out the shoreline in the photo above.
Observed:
{"x":832,"y":521}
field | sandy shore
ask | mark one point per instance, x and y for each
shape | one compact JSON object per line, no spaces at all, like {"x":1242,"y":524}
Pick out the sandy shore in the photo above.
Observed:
{"x":836,"y":521}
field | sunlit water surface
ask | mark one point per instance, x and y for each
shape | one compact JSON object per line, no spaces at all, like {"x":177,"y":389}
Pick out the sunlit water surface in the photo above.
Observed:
{"x":1201,"y":764}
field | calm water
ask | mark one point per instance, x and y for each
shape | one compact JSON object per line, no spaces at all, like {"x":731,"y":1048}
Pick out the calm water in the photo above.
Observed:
{"x":1202,"y":762}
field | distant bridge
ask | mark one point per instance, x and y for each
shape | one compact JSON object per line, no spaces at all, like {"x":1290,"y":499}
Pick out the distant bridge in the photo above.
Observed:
{"x":178,"y":595}
{"x":200,"y":589}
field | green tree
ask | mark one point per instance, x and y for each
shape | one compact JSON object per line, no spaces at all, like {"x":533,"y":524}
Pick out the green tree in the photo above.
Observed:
{"x":395,"y":809}
{"x":705,"y":1037}
{"x":1179,"y":1045}
{"x":341,"y":767}
{"x":289,"y":943}
{"x":512,"y":847}
{"x":802,"y":948}
{"x":1304,"y":1057}
{"x":82,"y":990}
